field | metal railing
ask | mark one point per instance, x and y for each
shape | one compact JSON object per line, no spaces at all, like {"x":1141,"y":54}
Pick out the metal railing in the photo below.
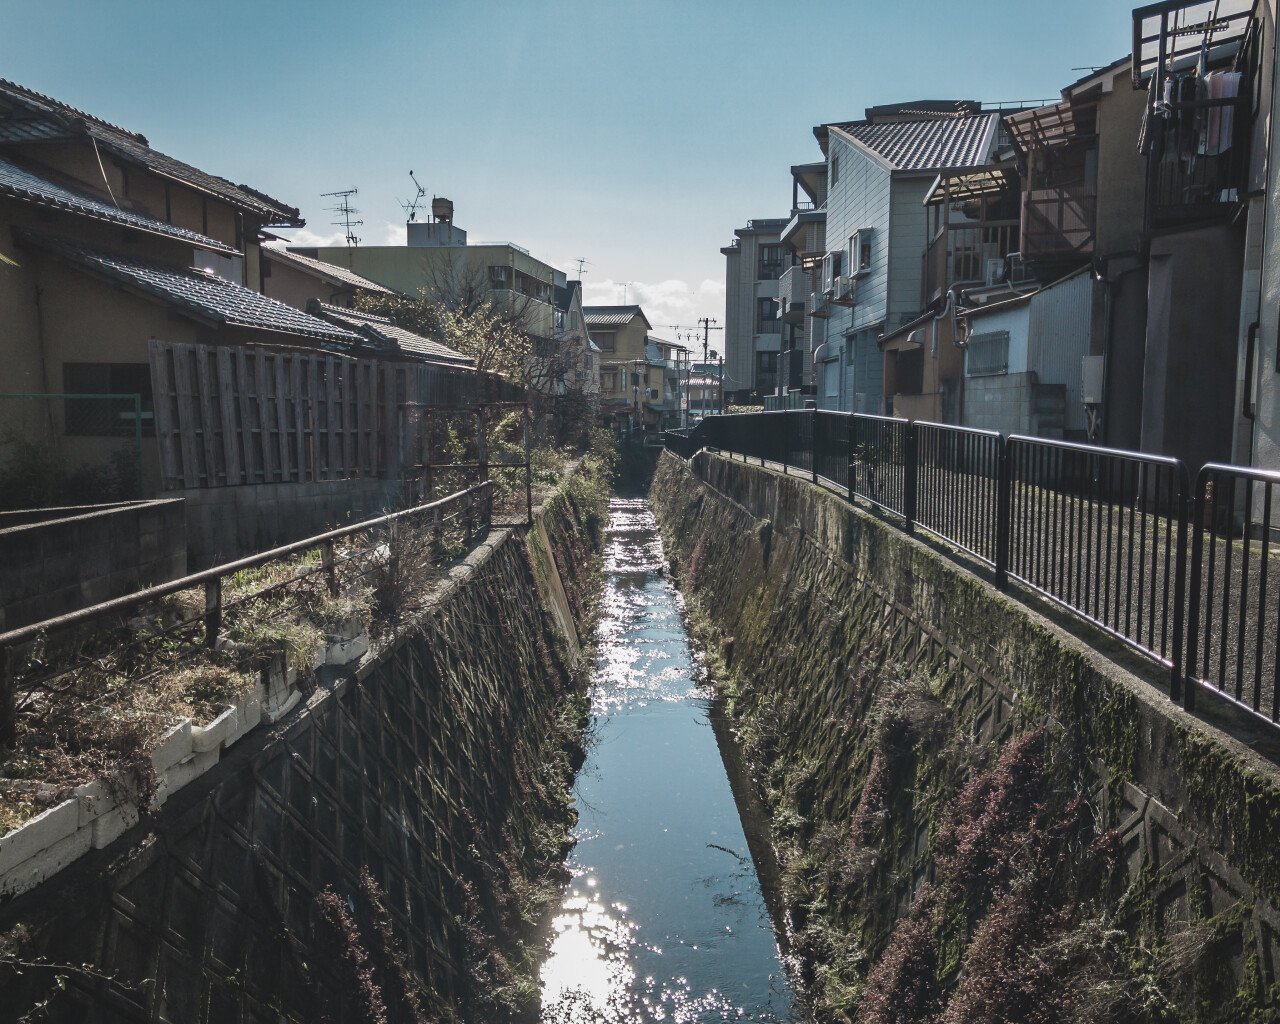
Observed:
{"x":143,"y":639}
{"x":1120,"y":539}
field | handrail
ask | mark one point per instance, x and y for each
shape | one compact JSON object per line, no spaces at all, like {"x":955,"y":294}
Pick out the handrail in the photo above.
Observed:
{"x":29,"y":632}
{"x":1175,"y":567}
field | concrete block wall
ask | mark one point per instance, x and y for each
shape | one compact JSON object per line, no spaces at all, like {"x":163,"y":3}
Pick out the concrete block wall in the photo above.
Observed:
{"x":81,"y":557}
{"x":225,"y":523}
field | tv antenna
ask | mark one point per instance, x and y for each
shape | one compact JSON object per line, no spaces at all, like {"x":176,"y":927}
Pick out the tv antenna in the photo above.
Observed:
{"x":582,"y":261}
{"x":410,"y":206}
{"x":346,"y":211}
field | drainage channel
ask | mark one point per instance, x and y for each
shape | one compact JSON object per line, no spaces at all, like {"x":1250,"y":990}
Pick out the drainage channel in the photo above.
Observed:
{"x":664,"y":918}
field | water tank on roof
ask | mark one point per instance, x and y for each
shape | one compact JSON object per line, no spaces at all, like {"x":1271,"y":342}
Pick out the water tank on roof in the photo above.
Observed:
{"x":442,"y":208}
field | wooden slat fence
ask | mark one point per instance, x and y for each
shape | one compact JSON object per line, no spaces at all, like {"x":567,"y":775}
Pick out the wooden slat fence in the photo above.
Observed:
{"x":229,"y":415}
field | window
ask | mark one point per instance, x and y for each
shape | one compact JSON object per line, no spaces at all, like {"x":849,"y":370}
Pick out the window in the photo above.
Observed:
{"x":500,"y":277}
{"x":835,"y":168}
{"x":608,"y":380}
{"x":559,"y":319}
{"x":767,"y":321}
{"x":607,"y":340}
{"x":771,"y":263}
{"x":860,"y":251}
{"x":987,"y":355}
{"x":106,"y":417}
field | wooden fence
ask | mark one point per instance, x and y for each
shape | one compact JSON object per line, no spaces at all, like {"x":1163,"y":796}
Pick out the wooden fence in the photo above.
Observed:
{"x":234,"y":415}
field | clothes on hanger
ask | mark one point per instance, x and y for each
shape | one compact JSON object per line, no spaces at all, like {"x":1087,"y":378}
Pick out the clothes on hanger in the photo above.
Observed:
{"x":1219,"y":122}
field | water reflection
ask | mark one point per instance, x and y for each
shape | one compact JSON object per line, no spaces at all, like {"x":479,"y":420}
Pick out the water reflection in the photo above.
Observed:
{"x":664,"y":919}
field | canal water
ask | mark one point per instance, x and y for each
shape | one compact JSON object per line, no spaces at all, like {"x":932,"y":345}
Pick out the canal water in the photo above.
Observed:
{"x":664,"y":919}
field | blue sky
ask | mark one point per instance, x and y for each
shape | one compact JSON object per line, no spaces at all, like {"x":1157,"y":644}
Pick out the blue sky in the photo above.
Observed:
{"x":635,"y":134}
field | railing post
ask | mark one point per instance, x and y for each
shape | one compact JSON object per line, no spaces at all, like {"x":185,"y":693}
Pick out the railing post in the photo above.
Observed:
{"x":212,"y":611}
{"x":851,"y":430}
{"x":910,"y":476}
{"x":1004,"y":513}
{"x":813,"y":445}
{"x":786,"y":440}
{"x":1189,"y":676}
{"x":1176,"y":688}
{"x":528,"y":468}
{"x":330,"y":572}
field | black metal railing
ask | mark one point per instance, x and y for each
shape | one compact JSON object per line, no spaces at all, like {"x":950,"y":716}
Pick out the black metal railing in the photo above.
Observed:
{"x":1120,"y":539}
{"x":1233,"y":620}
{"x":958,"y":486}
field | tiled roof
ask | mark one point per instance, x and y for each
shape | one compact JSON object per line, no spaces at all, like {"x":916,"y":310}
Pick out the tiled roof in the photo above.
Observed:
{"x":33,"y":188}
{"x":612,"y":316}
{"x":42,"y":113}
{"x":201,"y":295}
{"x":335,"y":273}
{"x":930,"y":145}
{"x":32,"y":129}
{"x":380,"y":328}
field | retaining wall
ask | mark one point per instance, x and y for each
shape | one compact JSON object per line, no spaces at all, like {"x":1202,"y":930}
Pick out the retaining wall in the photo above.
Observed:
{"x":970,"y":803}
{"x":423,"y":785}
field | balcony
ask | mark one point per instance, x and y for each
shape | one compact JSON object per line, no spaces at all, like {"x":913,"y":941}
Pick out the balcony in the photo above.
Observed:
{"x":1206,"y":188}
{"x":793,"y":291}
{"x":797,"y":225}
{"x":962,"y":255}
{"x":1058,"y":223}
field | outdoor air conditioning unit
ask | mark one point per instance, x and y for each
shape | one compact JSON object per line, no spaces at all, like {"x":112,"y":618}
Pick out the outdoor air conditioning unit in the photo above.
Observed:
{"x":651,"y":393}
{"x":995,"y":271}
{"x":844,"y":290}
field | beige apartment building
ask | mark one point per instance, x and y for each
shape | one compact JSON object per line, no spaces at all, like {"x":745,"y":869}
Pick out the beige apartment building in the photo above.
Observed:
{"x":754,"y":262}
{"x":437,"y":257}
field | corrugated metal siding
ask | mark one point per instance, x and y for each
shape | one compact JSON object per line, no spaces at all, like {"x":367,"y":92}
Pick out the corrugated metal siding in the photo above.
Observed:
{"x":1059,"y":327}
{"x":860,"y":199}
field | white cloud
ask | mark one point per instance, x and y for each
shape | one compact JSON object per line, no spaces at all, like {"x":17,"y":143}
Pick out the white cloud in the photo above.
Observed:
{"x":666,"y":303}
{"x":307,"y":237}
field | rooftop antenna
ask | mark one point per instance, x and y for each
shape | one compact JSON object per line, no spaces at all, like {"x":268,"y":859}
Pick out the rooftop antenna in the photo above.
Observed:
{"x":625,"y":286}
{"x":583,"y":262}
{"x":347,"y":212}
{"x":410,"y":206}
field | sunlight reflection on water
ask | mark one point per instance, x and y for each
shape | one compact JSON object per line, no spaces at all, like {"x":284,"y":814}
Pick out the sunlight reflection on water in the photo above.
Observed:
{"x":663,"y":920}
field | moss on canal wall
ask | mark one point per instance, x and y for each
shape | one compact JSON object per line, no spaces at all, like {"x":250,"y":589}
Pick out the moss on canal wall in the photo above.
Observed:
{"x":978,"y":818}
{"x":388,"y":852}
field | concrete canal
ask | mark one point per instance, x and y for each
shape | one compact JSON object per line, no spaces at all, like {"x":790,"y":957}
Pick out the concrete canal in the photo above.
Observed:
{"x":664,"y":918}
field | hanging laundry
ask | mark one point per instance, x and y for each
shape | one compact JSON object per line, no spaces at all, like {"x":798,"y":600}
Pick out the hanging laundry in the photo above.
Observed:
{"x":1220,"y":120}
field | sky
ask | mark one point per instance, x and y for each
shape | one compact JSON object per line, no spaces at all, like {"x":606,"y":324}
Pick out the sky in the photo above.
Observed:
{"x":636,"y":135}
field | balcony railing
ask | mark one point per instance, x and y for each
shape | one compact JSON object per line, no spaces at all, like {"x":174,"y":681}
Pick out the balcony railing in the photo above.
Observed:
{"x":1058,"y":222}
{"x":960,"y":255}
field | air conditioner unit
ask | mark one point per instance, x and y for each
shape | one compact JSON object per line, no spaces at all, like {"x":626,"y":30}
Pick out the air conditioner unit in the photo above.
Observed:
{"x":1019,"y":272}
{"x":844,"y":290}
{"x":650,"y":393}
{"x":995,"y":271}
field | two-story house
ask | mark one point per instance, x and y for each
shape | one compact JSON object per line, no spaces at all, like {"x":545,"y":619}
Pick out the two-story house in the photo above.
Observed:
{"x":572,"y":338}
{"x":621,"y":333}
{"x":868,"y":276}
{"x":754,"y":262}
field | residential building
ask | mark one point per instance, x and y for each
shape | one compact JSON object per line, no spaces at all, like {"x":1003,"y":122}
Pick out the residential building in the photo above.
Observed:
{"x":862,"y":243}
{"x":1083,"y":194}
{"x":663,"y":380}
{"x":438,"y":258}
{"x":573,"y":338}
{"x":754,"y":262}
{"x":1023,"y":358}
{"x":108,"y":244}
{"x":626,"y":376}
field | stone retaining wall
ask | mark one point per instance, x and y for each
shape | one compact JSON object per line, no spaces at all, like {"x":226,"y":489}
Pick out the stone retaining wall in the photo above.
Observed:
{"x":415,"y":785}
{"x":890,"y":701}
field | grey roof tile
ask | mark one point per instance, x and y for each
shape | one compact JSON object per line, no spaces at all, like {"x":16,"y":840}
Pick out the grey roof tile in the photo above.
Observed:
{"x":612,"y":316}
{"x":202,"y":295}
{"x":331,"y":271}
{"x":379,"y":327}
{"x":929,"y":145}
{"x":134,"y":147}
{"x":28,"y":186}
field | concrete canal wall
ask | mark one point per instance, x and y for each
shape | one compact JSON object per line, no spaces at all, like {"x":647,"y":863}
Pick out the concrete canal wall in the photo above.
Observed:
{"x":979,"y":816}
{"x":382,"y":847}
